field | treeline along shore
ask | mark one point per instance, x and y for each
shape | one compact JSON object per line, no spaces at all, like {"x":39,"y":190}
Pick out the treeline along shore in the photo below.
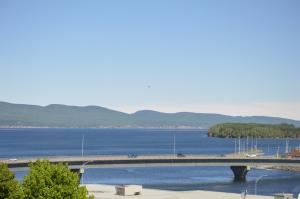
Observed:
{"x":235,"y":130}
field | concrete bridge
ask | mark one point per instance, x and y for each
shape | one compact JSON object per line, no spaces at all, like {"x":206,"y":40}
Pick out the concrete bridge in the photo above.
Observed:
{"x":239,"y":165}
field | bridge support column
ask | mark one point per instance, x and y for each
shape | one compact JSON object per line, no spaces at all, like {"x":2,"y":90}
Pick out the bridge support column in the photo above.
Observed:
{"x":79,"y":172}
{"x":240,"y":172}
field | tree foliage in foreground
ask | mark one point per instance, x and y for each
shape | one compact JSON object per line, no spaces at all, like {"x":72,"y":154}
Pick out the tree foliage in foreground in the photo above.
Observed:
{"x":234,"y":130}
{"x":9,"y":187}
{"x":52,"y":181}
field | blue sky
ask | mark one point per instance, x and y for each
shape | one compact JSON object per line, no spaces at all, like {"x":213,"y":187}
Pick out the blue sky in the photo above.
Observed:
{"x":231,"y":57}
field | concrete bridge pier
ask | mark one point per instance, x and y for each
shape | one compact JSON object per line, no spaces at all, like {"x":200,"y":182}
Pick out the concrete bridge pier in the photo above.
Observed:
{"x":240,"y":172}
{"x":79,"y":172}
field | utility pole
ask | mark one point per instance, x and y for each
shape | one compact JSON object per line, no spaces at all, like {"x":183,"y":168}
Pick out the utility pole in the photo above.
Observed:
{"x":256,"y":181}
{"x":242,"y":147}
{"x":247,"y":144}
{"x":235,"y":146}
{"x":256,"y":145}
{"x":174,"y":145}
{"x":286,"y":146}
{"x":82,"y":170}
{"x":239,"y":145}
{"x":82,"y":145}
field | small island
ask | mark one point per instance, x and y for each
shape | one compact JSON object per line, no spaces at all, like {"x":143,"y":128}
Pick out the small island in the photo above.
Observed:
{"x":242,"y":130}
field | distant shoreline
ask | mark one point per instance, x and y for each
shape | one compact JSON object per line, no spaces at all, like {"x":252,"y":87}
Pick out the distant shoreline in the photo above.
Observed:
{"x":110,"y":127}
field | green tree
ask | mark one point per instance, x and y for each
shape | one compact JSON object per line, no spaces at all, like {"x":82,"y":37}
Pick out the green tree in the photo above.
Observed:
{"x":52,"y":181}
{"x":243,"y":130}
{"x":9,"y":187}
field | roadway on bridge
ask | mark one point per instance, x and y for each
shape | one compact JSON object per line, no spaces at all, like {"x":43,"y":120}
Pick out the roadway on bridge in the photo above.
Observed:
{"x":158,"y":160}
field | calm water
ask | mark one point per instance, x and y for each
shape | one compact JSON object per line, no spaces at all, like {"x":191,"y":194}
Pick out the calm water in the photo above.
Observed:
{"x":17,"y":143}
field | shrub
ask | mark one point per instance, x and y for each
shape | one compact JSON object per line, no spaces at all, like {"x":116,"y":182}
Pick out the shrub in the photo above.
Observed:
{"x":52,"y":181}
{"x":9,"y":187}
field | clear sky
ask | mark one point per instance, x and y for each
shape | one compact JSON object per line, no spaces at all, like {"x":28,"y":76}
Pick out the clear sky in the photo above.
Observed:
{"x":233,"y":57}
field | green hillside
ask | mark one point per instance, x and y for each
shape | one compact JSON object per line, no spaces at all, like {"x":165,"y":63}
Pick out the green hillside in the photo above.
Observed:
{"x":22,"y":115}
{"x":60,"y":116}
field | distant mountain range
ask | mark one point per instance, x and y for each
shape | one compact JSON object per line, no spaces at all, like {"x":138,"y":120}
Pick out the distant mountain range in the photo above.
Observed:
{"x":56,"y":115}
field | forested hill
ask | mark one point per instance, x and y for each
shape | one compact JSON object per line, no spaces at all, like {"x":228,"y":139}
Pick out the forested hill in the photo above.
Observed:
{"x":235,"y":130}
{"x":56,"y":115}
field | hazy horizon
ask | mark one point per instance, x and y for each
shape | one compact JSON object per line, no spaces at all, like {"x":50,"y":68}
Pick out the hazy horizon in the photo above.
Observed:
{"x":233,"y":58}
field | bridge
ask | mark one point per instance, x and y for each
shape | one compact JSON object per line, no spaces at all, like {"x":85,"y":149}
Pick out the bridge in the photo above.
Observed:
{"x":239,"y":165}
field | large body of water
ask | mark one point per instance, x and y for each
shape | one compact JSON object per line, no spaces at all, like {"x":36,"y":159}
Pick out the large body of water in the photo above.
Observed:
{"x":18,"y":143}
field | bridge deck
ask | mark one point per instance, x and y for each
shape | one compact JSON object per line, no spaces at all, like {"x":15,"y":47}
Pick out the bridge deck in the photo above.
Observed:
{"x":161,"y":160}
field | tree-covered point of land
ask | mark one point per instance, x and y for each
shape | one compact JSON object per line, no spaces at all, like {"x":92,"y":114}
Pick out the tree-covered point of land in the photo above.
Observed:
{"x":52,"y":181}
{"x":235,"y":130}
{"x":9,"y":187}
